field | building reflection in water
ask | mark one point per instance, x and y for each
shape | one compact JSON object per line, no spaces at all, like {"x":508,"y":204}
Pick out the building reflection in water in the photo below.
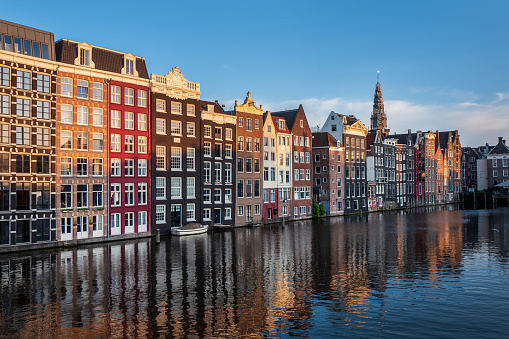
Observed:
{"x":253,"y":281}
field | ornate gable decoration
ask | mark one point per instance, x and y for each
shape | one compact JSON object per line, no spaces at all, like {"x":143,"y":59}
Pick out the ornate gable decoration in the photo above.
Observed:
{"x":175,"y":85}
{"x":249,"y":106}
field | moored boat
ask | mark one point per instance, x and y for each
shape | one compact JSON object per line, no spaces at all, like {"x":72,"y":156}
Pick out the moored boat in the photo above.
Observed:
{"x":189,"y":229}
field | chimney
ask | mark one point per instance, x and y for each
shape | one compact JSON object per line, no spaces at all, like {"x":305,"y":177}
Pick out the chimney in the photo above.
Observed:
{"x":500,"y":139}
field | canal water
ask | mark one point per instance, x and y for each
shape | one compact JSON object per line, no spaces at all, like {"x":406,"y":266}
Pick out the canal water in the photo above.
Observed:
{"x":427,"y":273}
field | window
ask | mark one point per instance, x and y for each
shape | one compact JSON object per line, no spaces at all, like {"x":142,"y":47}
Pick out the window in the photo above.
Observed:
{"x":97,"y":195}
{"x":129,"y":167}
{"x":160,"y":188}
{"x":161,"y":126}
{"x":190,"y":160}
{"x":43,"y":111}
{"x":228,"y":195}
{"x":129,"y":120}
{"x":115,"y":167}
{"x":240,"y":144}
{"x":191,"y":131}
{"x":97,"y":222}
{"x":97,"y":91}
{"x":142,"y":193}
{"x":191,"y":110}
{"x":218,"y":133}
{"x":66,"y":166}
{"x":129,"y":66}
{"x":176,"y":158}
{"x":142,"y":167}
{"x":84,"y":57}
{"x":129,"y":96}
{"x":176,"y":107}
{"x":65,"y":139}
{"x":115,"y":95}
{"x":5,"y":73}
{"x":142,"y":144}
{"x":129,"y":144}
{"x":97,"y":141}
{"x":43,"y":137}
{"x":142,"y":122}
{"x":249,"y":165}
{"x":129,"y":194}
{"x":115,"y":195}
{"x":42,"y":162}
{"x":5,"y":105}
{"x":97,"y":117}
{"x":207,"y":149}
{"x":206,"y":214}
{"x":240,"y":165}
{"x":240,"y":210}
{"x":82,"y":167}
{"x":257,"y":209}
{"x":217,"y":150}
{"x":249,"y":124}
{"x":206,"y":195}
{"x":191,"y":187}
{"x":241,"y":122}
{"x":240,"y":188}
{"x":97,"y":167}
{"x":115,"y":119}
{"x":228,"y":134}
{"x":249,"y":188}
{"x":23,"y":107}
{"x":23,"y":135}
{"x":82,"y":139}
{"x":249,"y":144}
{"x":82,"y":115}
{"x":24,"y":80}
{"x":176,"y":127}
{"x":228,"y":151}
{"x":207,"y":131}
{"x":257,"y":188}
{"x":190,"y":212}
{"x":160,"y":214}
{"x":257,"y":144}
{"x":217,"y":172}
{"x":22,"y":196}
{"x":207,"y":172}
{"x":228,"y":173}
{"x":217,"y":195}
{"x":82,"y":196}
{"x":161,"y":157}
{"x":82,"y":89}
{"x":176,"y":187}
{"x":160,"y":105}
{"x":66,"y":196}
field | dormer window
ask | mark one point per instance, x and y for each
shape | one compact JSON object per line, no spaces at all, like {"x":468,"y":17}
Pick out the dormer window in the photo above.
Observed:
{"x":84,"y":57}
{"x":281,"y":124}
{"x":129,"y":66}
{"x":332,"y":117}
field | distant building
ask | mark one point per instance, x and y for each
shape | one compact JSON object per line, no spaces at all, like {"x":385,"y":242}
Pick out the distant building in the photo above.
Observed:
{"x":469,"y":156}
{"x":493,"y":169}
{"x":328,"y":175}
{"x":351,"y":132}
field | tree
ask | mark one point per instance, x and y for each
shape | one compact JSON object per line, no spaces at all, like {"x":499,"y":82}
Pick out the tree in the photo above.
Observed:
{"x":318,"y":209}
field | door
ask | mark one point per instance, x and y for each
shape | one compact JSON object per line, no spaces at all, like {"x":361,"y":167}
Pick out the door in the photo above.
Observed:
{"x":82,"y":227}
{"x":176,"y":216}
{"x":269,"y":213}
{"x":66,"y":229}
{"x":217,"y":215}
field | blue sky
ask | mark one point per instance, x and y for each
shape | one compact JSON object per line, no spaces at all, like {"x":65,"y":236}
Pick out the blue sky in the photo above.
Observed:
{"x":443,"y":64}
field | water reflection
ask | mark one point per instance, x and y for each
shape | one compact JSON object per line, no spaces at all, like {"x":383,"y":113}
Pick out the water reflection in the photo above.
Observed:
{"x":361,"y":275}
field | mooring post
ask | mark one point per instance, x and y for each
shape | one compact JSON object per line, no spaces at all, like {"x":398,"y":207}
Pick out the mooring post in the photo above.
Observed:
{"x":158,"y":236}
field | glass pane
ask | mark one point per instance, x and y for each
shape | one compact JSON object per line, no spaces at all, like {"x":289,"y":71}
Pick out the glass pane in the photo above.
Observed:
{"x":17,"y":45}
{"x":45,"y":51}
{"x":37,"y":49}
{"x":27,"y":47}
{"x":8,"y":43}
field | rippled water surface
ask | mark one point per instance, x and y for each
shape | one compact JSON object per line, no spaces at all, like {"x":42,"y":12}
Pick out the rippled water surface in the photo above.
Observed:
{"x":422,"y":274}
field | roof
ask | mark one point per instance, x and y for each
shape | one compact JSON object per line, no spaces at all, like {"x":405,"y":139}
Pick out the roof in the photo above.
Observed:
{"x":350,"y":119}
{"x":370,"y":138}
{"x":289,"y":115}
{"x":217,"y":108}
{"x":276,"y":125}
{"x":104,"y":59}
{"x":321,"y":139}
{"x":442,"y":138}
{"x":500,"y":148}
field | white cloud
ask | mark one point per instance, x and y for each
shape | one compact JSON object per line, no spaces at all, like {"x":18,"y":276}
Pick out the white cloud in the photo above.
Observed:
{"x":477,"y":123}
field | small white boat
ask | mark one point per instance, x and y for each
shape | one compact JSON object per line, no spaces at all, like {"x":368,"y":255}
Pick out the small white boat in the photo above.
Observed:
{"x":189,"y":229}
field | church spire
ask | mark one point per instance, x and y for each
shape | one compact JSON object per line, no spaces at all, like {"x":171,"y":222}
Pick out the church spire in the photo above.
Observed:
{"x":378,"y":117}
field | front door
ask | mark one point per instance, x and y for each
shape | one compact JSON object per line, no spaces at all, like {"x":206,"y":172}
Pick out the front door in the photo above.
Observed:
{"x":217,"y":215}
{"x":176,"y":216}
{"x":269,"y":213}
{"x":66,"y":228}
{"x":82,"y":226}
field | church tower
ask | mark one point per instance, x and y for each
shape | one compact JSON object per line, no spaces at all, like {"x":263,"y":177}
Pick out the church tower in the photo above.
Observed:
{"x":378,"y":117}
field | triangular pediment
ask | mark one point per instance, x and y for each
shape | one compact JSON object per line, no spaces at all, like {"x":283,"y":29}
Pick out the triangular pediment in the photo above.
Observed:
{"x":359,"y":125}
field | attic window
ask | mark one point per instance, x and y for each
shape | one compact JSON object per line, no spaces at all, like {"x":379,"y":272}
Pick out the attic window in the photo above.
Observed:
{"x":129,"y":66}
{"x":84,"y":57}
{"x":210,"y":108}
{"x":332,"y":117}
{"x":281,"y":124}
{"x":302,"y":123}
